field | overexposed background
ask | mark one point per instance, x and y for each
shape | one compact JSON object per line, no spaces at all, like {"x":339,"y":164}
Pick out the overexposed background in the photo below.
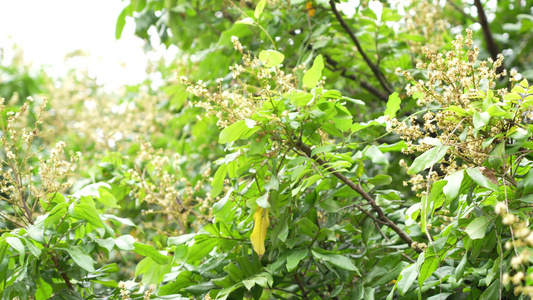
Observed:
{"x":48,"y":30}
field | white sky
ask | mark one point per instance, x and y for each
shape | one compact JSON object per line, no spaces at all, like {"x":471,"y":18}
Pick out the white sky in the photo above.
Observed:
{"x":47,"y":30}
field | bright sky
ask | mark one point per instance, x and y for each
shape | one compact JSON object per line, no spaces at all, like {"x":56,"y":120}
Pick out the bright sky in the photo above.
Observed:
{"x":47,"y":30}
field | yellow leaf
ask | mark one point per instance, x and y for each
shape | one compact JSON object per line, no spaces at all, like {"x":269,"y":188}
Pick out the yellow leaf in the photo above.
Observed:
{"x":259,"y":233}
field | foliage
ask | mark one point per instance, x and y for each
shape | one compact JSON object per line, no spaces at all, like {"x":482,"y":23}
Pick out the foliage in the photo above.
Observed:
{"x":303,"y":154}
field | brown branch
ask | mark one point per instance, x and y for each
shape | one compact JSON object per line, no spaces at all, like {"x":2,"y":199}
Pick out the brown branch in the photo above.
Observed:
{"x":356,"y":187}
{"x":381,"y":78}
{"x":300,"y":285}
{"x":61,"y":272}
{"x":492,"y":47}
{"x":367,"y":86}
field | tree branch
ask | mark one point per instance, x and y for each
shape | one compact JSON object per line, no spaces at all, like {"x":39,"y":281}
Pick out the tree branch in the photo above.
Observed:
{"x":492,"y":47}
{"x":367,"y":86}
{"x":356,"y":187}
{"x":381,"y":78}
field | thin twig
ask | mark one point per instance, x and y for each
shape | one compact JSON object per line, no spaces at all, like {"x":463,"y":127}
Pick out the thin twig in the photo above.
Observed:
{"x":367,"y":86}
{"x":379,"y":75}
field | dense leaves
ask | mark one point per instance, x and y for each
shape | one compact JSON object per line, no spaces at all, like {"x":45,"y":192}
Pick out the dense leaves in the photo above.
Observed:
{"x":308,"y":152}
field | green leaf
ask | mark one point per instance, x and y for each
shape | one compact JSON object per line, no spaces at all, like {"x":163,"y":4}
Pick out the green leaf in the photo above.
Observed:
{"x":313,"y":75}
{"x":427,"y":159}
{"x":393,"y":105}
{"x":376,"y":156}
{"x":481,"y":119}
{"x":125,"y":242}
{"x":409,"y":275}
{"x":294,"y":258}
{"x":477,"y":228}
{"x":81,"y":259}
{"x":17,"y":245}
{"x":322,"y":149}
{"x":452,"y":188}
{"x":218,"y":180}
{"x":492,"y":291}
{"x":203,"y":244}
{"x":107,"y":198}
{"x":152,"y":272}
{"x":331,"y":94}
{"x":263,"y":201}
{"x":330,"y":205}
{"x":58,"y":212}
{"x":87,"y":212}
{"x":479,"y":178}
{"x":44,"y":290}
{"x":527,"y":183}
{"x":429,"y":266}
{"x":225,"y":292}
{"x":149,"y":251}
{"x":183,"y":280}
{"x":429,"y":204}
{"x":232,"y":132}
{"x":381,"y":179}
{"x":272,"y":184}
{"x":121,"y":21}
{"x":459,"y":271}
{"x":308,"y":227}
{"x":338,"y":260}
{"x":271,"y":58}
{"x":497,"y":155}
{"x":259,"y":9}
{"x":92,"y":190}
{"x":246,"y":21}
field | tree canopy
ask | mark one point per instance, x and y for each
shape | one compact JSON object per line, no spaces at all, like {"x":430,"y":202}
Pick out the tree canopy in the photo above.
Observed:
{"x":297,"y":150}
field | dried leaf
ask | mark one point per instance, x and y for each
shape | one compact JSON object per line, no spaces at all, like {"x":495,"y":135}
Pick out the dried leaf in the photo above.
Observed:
{"x":489,"y":174}
{"x":259,"y":233}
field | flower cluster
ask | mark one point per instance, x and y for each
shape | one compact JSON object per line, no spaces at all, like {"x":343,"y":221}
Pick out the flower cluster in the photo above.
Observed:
{"x":522,"y":240}
{"x":454,"y":81}
{"x":154,"y":180}
{"x":101,"y":121}
{"x":424,"y":18}
{"x":253,"y":85}
{"x":26,"y":180}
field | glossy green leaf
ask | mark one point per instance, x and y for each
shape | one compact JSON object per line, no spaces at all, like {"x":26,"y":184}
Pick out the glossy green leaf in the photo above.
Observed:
{"x":427,"y":159}
{"x":429,"y":266}
{"x":232,"y":132}
{"x":477,"y":228}
{"x":125,"y":242}
{"x":452,"y":188}
{"x":393,"y":105}
{"x":376,"y":156}
{"x":294,"y":258}
{"x":149,"y":251}
{"x":259,"y":9}
{"x":89,"y":213}
{"x":482,"y":180}
{"x":492,"y":292}
{"x":409,"y":275}
{"x":314,"y":74}
{"x":338,"y":260}
{"x":218,"y":180}
{"x":121,"y":22}
{"x":271,"y":58}
{"x":80,"y":258}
